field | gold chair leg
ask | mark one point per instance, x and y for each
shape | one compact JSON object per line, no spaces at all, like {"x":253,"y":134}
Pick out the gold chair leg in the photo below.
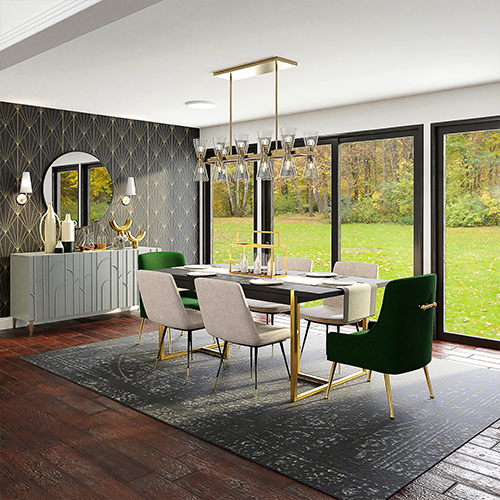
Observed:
{"x":388,"y":389}
{"x":332,"y":373}
{"x":161,"y":331}
{"x":143,"y":320}
{"x":169,"y":340}
{"x":428,"y":380}
{"x":369,"y":379}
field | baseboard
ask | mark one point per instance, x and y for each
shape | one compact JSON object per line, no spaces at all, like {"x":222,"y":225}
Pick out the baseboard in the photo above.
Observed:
{"x":8,"y":322}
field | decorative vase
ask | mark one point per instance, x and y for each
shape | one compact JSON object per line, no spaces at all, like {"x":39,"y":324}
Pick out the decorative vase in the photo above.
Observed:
{"x":51,"y":233}
{"x":68,"y":233}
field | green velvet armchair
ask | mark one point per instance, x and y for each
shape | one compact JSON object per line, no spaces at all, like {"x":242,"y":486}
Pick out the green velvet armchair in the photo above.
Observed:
{"x":152,"y":261}
{"x":400,"y":341}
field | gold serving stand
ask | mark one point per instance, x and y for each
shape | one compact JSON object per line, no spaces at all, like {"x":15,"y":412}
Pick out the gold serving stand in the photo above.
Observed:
{"x":269,"y":250}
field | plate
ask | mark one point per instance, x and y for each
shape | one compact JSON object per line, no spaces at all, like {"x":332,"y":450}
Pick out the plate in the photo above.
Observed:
{"x":321,"y":275}
{"x":266,"y":281}
{"x":197,"y":267}
{"x":337,"y":282}
{"x":201,"y":274}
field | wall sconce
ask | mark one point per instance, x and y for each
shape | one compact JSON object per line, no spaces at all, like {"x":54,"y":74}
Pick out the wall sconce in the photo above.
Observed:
{"x":130,"y":191}
{"x":25,"y":188}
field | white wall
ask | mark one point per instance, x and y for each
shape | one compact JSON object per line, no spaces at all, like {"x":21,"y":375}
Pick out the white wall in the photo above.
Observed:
{"x":458,"y":104}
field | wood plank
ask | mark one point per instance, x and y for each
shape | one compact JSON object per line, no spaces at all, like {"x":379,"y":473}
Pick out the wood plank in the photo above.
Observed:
{"x":23,"y":490}
{"x":481,"y":453}
{"x":100,"y":452}
{"x":141,"y":453}
{"x":157,"y":487}
{"x":86,"y":472}
{"x":47,"y":476}
{"x":460,"y":491}
{"x":27,"y":410}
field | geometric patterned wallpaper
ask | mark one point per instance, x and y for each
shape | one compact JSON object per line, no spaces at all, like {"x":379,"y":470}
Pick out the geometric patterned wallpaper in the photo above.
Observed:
{"x":160,"y":157}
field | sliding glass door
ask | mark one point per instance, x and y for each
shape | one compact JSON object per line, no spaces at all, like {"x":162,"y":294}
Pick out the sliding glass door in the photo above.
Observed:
{"x":378,"y":214}
{"x":302,"y":210}
{"x":467,"y":160}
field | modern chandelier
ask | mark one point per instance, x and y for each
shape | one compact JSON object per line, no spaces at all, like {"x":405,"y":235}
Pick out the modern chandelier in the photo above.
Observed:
{"x":226,"y":154}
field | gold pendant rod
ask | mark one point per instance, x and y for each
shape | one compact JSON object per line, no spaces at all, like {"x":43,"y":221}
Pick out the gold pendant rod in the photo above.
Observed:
{"x":276,"y":103}
{"x":230,"y":113}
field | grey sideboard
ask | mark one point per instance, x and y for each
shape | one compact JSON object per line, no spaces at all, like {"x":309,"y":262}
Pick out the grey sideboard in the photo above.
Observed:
{"x":50,"y":286}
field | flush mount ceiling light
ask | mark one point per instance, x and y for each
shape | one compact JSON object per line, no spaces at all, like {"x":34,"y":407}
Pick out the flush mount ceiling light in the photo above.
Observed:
{"x":201,"y":104}
{"x":223,"y":149}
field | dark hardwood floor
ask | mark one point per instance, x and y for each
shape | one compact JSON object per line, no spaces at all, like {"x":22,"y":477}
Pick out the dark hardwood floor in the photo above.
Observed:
{"x":61,"y":441}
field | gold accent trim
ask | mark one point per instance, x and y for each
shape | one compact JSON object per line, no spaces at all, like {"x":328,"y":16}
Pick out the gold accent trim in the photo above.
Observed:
{"x":428,"y":306}
{"x":120,"y":229}
{"x":388,"y":390}
{"x":135,"y":239}
{"x":143,"y":320}
{"x":256,"y":68}
{"x":428,"y":378}
{"x":294,"y":345}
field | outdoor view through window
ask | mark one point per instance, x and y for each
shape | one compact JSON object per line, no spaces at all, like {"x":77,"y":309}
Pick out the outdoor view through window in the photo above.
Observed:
{"x":377,"y":216}
{"x":472,"y":284}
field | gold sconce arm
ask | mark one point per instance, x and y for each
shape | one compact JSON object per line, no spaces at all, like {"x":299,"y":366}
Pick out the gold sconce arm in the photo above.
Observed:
{"x":120,"y":229}
{"x":428,"y":306}
{"x":135,"y":239}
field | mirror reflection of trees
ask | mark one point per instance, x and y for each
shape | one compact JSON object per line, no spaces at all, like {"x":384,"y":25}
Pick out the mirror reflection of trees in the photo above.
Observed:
{"x":68,"y":182}
{"x":101,"y":192}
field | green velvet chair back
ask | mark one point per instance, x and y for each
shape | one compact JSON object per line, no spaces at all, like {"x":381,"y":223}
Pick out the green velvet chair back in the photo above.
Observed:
{"x":401,"y":340}
{"x":162,"y":260}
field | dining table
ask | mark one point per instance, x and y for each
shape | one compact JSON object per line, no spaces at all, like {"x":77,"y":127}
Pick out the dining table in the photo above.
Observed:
{"x":294,"y":289}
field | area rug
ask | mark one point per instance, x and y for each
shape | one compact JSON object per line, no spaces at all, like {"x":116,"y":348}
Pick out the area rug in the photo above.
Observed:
{"x":346,"y":447}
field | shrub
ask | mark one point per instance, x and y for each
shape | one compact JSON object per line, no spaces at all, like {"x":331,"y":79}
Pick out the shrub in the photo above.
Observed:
{"x":467,"y":211}
{"x":285,"y":204}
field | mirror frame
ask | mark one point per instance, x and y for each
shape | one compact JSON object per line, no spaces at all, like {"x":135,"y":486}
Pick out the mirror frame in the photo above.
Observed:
{"x":74,"y":158}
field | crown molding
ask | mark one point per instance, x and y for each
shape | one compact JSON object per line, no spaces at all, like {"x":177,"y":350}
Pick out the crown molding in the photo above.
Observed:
{"x":61,"y":23}
{"x":43,"y":20}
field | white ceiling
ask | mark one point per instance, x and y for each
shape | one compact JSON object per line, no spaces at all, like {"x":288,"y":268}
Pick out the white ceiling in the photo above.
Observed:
{"x":147,"y":64}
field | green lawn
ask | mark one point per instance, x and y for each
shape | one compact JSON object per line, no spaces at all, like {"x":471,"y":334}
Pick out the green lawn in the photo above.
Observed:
{"x":473,"y":282}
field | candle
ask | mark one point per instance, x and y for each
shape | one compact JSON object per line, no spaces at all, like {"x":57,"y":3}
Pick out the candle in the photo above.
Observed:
{"x":244,"y":266}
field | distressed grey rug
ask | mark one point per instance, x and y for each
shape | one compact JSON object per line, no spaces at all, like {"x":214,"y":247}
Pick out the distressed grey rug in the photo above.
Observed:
{"x":346,"y":446}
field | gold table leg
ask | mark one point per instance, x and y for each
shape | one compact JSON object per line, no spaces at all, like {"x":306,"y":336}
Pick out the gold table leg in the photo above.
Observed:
{"x":323,"y":384}
{"x":294,"y":345}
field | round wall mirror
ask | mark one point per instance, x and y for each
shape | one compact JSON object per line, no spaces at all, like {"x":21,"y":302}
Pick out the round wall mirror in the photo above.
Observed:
{"x":78,"y":184}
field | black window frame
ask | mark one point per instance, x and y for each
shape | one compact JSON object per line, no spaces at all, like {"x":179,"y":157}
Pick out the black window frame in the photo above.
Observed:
{"x":438,"y":221}
{"x":415,"y":131}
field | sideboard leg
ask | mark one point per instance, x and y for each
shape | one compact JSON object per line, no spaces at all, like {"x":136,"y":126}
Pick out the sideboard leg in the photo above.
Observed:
{"x":14,"y":322}
{"x":30,"y":328}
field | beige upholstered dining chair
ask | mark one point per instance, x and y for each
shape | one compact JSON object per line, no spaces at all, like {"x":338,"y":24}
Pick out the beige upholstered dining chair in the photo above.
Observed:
{"x":299,"y":264}
{"x":163,"y":305}
{"x":227,"y":317}
{"x":334,"y":310}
